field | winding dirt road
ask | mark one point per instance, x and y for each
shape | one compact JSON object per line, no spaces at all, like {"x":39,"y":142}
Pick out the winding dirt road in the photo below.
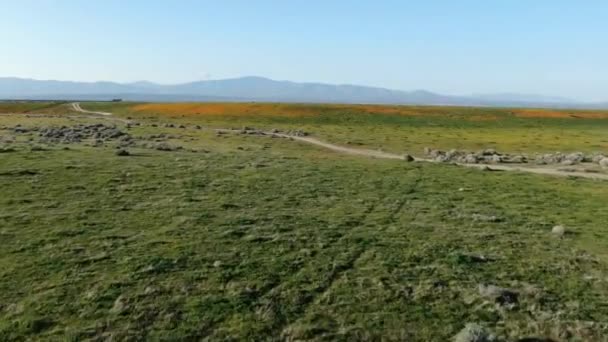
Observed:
{"x":76,"y":107}
{"x":386,"y":155}
{"x":491,"y":167}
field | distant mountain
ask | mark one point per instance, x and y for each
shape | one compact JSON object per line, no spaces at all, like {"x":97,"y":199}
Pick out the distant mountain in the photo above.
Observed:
{"x":514,"y":97}
{"x":260,"y":89}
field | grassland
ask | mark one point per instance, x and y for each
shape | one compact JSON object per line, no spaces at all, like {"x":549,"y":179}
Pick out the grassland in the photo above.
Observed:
{"x":401,"y":128}
{"x":23,"y":107}
{"x":253,"y":238}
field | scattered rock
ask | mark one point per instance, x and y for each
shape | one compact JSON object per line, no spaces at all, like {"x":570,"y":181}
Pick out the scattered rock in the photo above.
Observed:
{"x":491,"y":156}
{"x":78,"y":133}
{"x":120,"y":305}
{"x":485,"y":218}
{"x":473,"y":332}
{"x":166,"y":147}
{"x":472,"y":259}
{"x":37,"y":148}
{"x":575,"y":158}
{"x":502,"y":296}
{"x":470,"y":159}
{"x":559,"y":231}
{"x":122,"y":153}
{"x":298,"y":133}
{"x":516,"y":159}
{"x":597,"y":157}
{"x":20,"y":130}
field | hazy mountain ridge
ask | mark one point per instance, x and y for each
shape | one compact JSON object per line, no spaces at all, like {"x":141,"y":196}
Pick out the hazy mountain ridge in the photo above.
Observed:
{"x":262,"y":89}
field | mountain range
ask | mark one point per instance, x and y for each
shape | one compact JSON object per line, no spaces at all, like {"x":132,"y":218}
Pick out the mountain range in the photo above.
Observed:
{"x":259,"y":89}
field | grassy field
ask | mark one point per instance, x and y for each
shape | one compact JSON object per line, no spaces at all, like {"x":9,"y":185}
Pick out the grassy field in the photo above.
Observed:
{"x":254,"y":238}
{"x":32,"y":107}
{"x":402,"y":128}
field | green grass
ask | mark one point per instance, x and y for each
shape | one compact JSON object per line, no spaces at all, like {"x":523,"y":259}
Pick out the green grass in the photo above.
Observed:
{"x":436,"y":127}
{"x":31,"y":107}
{"x":265,"y":239}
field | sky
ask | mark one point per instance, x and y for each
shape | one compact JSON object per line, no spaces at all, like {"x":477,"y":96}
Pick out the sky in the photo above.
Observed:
{"x":549,"y":47}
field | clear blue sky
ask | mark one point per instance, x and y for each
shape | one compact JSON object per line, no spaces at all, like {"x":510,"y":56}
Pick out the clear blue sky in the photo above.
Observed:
{"x":556,"y":47}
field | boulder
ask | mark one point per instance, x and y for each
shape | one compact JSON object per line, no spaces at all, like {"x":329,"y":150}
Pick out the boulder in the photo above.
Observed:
{"x":559,"y":231}
{"x":470,"y":159}
{"x":574,"y":158}
{"x":122,"y":153}
{"x":473,"y":332}
{"x":408,"y":158}
{"x":500,"y":295}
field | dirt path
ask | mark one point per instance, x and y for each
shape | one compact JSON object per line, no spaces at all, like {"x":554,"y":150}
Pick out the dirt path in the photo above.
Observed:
{"x":386,"y":155}
{"x":76,"y":107}
{"x":495,"y":167}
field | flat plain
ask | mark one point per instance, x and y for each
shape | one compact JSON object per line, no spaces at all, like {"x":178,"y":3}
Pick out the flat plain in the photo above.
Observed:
{"x":191,"y":234}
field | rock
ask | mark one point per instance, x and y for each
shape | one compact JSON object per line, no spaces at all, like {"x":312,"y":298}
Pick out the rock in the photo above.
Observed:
{"x":441,"y":159}
{"x":165,"y":147}
{"x":489,"y":152}
{"x":120,"y":305}
{"x":408,"y":158}
{"x":485,"y":218}
{"x":574,"y":158}
{"x":452,"y":154}
{"x":470,"y":159}
{"x":517,"y":159}
{"x":217,"y":264}
{"x":19,"y":129}
{"x":436,"y":154}
{"x":597,"y":157}
{"x":495,"y":159}
{"x":604,"y":163}
{"x":298,"y":133}
{"x":473,"y":332}
{"x":500,"y":295}
{"x":37,"y":148}
{"x":122,"y":153}
{"x":559,"y":231}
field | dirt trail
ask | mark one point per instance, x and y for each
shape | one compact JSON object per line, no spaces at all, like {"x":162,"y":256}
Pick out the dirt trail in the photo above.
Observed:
{"x":76,"y":107}
{"x":386,"y":155}
{"x":495,"y":167}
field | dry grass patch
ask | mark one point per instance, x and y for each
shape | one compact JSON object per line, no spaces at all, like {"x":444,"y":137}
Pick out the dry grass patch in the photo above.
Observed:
{"x":560,"y":114}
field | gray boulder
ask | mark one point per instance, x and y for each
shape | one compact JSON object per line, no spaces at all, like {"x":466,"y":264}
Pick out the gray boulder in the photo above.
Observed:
{"x":473,"y":332}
